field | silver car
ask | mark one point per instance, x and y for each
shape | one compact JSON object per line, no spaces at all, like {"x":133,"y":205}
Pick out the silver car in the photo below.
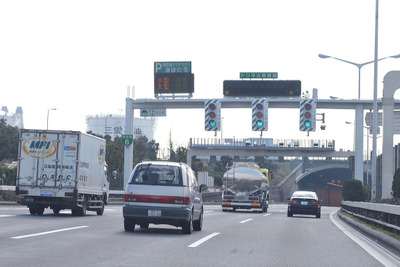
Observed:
{"x":161,"y":192}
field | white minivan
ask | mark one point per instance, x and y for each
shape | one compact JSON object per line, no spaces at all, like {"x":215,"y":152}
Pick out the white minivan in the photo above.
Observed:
{"x":161,"y":192}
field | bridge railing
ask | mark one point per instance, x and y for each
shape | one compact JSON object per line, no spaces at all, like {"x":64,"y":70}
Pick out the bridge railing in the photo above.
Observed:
{"x":265,"y":142}
{"x":382,"y":215}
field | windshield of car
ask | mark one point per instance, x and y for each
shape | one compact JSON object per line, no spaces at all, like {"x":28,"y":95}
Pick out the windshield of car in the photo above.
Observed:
{"x":151,"y":174}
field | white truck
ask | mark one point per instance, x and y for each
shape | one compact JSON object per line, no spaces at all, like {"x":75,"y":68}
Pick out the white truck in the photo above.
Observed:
{"x":61,"y":170}
{"x":246,"y":188}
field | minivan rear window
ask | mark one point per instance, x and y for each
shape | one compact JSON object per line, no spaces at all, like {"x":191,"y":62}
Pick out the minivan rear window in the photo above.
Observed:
{"x":151,"y":174}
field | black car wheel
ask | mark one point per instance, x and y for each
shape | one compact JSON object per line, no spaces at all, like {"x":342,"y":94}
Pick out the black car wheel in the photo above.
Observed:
{"x":144,"y":225}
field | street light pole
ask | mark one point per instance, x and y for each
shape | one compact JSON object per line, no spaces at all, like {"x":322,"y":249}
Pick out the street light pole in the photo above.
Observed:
{"x":359,"y":66}
{"x":48,"y":116}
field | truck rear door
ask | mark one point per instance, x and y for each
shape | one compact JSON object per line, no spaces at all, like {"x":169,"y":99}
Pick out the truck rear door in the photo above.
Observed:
{"x":48,"y":159}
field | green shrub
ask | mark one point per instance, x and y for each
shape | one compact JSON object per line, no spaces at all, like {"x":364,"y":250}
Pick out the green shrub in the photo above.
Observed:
{"x":396,"y":184}
{"x":353,"y":191}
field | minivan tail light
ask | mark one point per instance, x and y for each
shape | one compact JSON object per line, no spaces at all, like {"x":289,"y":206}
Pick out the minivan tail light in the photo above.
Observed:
{"x":157,"y":199}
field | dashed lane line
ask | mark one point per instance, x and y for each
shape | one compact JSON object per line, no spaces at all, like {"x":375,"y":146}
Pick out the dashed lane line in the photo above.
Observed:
{"x":204,"y":239}
{"x":50,"y":232}
{"x":245,"y":221}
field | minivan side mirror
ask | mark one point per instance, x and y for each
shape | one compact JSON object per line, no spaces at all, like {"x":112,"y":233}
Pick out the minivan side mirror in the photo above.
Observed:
{"x":203,"y":187}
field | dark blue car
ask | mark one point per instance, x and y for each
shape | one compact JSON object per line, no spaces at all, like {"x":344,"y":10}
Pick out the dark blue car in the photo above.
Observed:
{"x":304,"y":202}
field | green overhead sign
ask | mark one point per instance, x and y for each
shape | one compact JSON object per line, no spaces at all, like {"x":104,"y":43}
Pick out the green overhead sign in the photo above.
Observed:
{"x":173,"y":67}
{"x":258,"y":75}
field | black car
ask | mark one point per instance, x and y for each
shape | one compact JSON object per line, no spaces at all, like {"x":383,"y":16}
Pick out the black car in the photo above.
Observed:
{"x":304,"y":202}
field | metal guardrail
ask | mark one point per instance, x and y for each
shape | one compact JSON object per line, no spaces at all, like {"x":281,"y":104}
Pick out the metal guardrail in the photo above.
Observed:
{"x":382,"y":215}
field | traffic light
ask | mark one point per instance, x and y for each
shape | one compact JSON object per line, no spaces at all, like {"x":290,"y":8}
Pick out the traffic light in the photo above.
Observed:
{"x":308,"y":115}
{"x":212,"y":108}
{"x":259,"y":114}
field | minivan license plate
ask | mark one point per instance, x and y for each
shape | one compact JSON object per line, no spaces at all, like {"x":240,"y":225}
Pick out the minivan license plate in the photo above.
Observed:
{"x":154,"y":213}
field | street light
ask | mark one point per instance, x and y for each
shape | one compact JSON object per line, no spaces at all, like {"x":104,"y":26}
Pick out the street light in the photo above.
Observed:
{"x":48,"y":116}
{"x":359,"y":66}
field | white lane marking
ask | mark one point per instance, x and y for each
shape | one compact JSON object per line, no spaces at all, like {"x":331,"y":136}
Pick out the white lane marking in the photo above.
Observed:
{"x":352,"y":235}
{"x":50,"y":232}
{"x":245,"y":221}
{"x":204,"y":239}
{"x":5,"y":216}
{"x":267,"y":214}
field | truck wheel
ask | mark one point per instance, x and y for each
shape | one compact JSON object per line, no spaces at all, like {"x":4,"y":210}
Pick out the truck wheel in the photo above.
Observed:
{"x":32,"y":210}
{"x":39,"y":210}
{"x":187,"y":227}
{"x":129,"y":225}
{"x":75,"y":211}
{"x":101,"y":210}
{"x":82,"y":211}
{"x":265,"y":208}
{"x":56,"y":211}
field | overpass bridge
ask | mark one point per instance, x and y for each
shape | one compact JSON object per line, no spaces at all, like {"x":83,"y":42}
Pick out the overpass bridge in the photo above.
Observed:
{"x":264,"y":147}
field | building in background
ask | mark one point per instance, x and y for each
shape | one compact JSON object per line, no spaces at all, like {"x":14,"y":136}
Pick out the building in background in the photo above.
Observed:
{"x":13,"y":119}
{"x":114,"y":125}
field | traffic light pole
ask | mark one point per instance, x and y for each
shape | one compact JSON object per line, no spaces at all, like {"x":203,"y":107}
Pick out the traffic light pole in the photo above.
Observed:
{"x":292,"y":103}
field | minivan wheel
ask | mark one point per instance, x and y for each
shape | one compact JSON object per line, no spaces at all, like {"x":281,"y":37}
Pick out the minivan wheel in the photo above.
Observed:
{"x":129,"y":226}
{"x":197,"y":225}
{"x":187,"y":227}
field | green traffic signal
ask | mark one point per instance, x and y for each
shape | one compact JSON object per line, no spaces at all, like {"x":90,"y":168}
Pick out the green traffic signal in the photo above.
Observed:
{"x":259,"y":123}
{"x":307,"y":124}
{"x":212,"y":123}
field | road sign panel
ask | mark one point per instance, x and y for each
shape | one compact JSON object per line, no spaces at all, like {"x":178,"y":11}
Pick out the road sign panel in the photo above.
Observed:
{"x":173,"y":83}
{"x":258,"y":75}
{"x":369,"y":118}
{"x":262,"y":88}
{"x":153,"y":112}
{"x":173,"y":67}
{"x":127,"y":139}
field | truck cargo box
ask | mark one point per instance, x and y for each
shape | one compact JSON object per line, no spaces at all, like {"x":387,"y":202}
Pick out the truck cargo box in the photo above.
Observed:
{"x":62,"y":170}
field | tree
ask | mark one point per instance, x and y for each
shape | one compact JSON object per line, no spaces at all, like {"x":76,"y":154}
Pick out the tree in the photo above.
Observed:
{"x":8,"y":141}
{"x":115,"y":155}
{"x":396,"y":184}
{"x":181,"y":154}
{"x":197,"y":165}
{"x":7,"y":176}
{"x":353,"y":191}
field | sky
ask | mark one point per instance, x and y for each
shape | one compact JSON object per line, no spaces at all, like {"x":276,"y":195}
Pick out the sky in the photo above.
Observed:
{"x":80,"y":56}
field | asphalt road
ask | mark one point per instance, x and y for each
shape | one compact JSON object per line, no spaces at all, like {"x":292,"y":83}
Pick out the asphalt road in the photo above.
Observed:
{"x":239,"y":238}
